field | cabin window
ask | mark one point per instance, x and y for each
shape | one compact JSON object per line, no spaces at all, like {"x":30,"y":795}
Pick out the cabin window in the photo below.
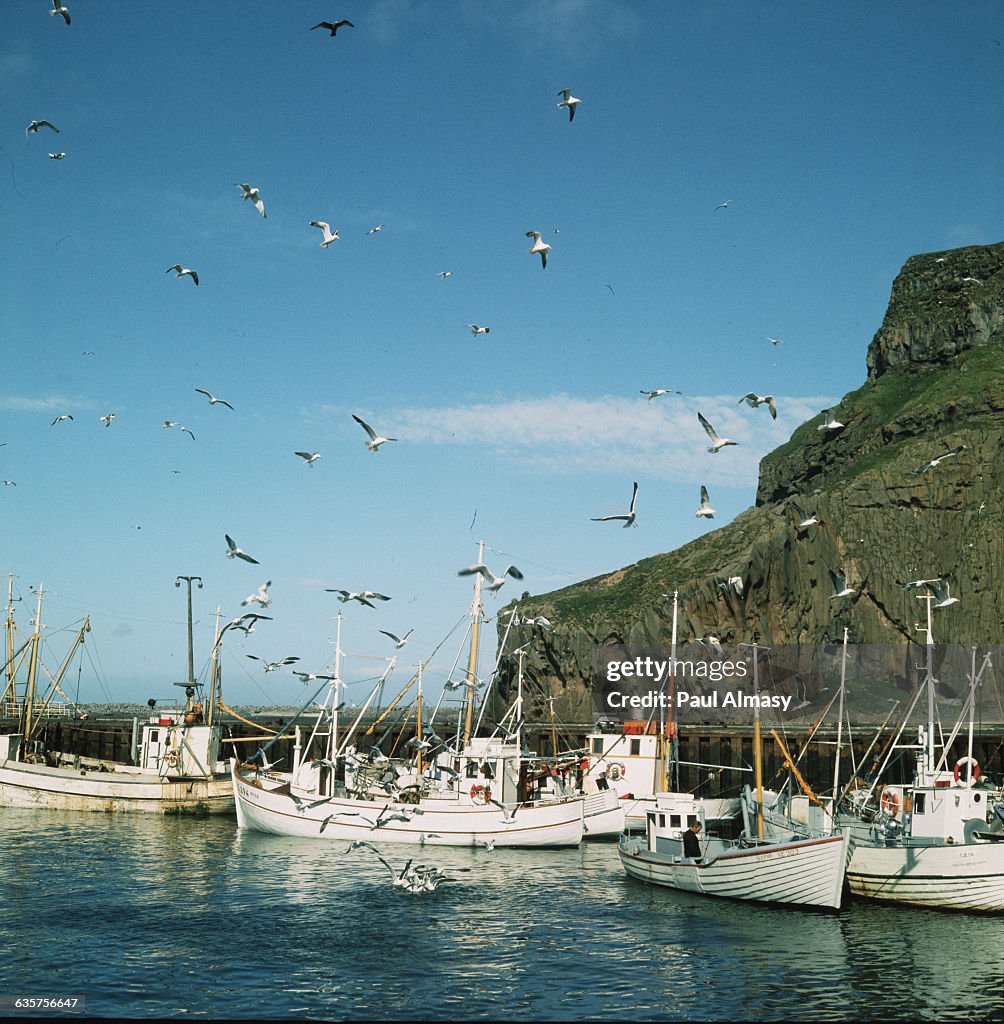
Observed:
{"x":662,"y":821}
{"x":597,"y":744}
{"x":486,"y":771}
{"x":918,"y":803}
{"x":472,"y":770}
{"x":674,"y":821}
{"x":154,"y":736}
{"x":635,"y":748}
{"x":691,"y":820}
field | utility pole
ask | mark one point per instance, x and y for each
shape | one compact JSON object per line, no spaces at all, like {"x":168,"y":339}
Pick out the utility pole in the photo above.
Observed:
{"x":191,"y":662}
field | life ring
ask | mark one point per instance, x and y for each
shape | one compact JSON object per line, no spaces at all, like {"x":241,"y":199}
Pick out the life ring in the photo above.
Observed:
{"x":172,"y":759}
{"x":616,"y":772}
{"x":481,"y":794}
{"x":890,"y":803}
{"x":974,"y":770}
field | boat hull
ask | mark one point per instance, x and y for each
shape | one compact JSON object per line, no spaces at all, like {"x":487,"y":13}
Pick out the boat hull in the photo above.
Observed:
{"x":809,"y":873}
{"x":81,"y":789}
{"x":965,"y":876}
{"x":265,"y":804}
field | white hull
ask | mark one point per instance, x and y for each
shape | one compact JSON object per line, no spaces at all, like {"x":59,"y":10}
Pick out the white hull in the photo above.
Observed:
{"x":120,"y":789}
{"x":265,"y":804}
{"x":967,"y":876}
{"x":603,"y":815}
{"x":806,"y":873}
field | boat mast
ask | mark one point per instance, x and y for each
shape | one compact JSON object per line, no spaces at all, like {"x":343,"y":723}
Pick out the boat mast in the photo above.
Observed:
{"x":336,"y":685}
{"x":214,"y":672}
{"x":840,"y":725}
{"x":757,"y":752}
{"x":929,"y":752}
{"x":472,"y":661}
{"x":673,"y":779}
{"x":418,"y":725}
{"x":9,"y":689}
{"x":36,"y":639}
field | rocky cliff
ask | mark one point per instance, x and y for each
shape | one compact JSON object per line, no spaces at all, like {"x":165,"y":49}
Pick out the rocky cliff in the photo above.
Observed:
{"x":886,"y":515}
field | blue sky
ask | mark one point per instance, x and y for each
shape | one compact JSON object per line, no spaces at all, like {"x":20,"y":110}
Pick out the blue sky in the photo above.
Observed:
{"x":845,"y":138}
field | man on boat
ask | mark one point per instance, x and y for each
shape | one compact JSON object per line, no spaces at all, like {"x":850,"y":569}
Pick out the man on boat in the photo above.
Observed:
{"x":692,"y":841}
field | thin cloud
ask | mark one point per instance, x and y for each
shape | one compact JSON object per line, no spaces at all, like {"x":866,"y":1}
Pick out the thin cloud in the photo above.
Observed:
{"x":22,"y":403}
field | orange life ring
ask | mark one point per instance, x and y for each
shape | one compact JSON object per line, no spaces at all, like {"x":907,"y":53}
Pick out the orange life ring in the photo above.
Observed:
{"x":974,"y":769}
{"x":890,"y":803}
{"x":481,"y":794}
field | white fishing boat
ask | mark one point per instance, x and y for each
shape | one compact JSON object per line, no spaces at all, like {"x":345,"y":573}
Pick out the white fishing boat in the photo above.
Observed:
{"x":479,"y":792}
{"x":174,"y":768}
{"x":790,"y":867}
{"x":939,"y":841}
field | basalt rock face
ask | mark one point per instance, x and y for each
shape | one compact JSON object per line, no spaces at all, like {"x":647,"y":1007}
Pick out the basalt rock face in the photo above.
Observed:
{"x":886,"y":516}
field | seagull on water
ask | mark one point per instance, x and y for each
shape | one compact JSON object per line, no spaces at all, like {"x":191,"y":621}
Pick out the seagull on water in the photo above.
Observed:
{"x":309,"y":458}
{"x":754,"y":400}
{"x":628,"y":516}
{"x":59,"y":419}
{"x":250,"y":192}
{"x":539,"y":247}
{"x":658,"y":393}
{"x":831,"y":422}
{"x":476,"y":330}
{"x":235,"y":552}
{"x":183,"y":272}
{"x":840,"y":588}
{"x":57,"y":156}
{"x":941,"y":590}
{"x":935,"y":462}
{"x":106,"y":419}
{"x":705,"y":509}
{"x":272,"y":666}
{"x":34,"y":126}
{"x":261,"y":597}
{"x":399,"y":641}
{"x":569,"y":101}
{"x":716,"y":441}
{"x":375,"y":440}
{"x":58,"y":8}
{"x":213,"y":400}
{"x":329,"y":235}
{"x":363,"y":598}
{"x":494,"y":582}
{"x":333,"y":26}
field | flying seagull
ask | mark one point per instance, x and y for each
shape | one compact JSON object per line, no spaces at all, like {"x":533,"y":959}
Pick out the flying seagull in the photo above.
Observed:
{"x":805,"y":523}
{"x":839,"y":581}
{"x":213,"y":400}
{"x":309,"y":458}
{"x":250,"y":192}
{"x":235,"y":552}
{"x":375,"y":440}
{"x":362,"y":598}
{"x":444,"y":274}
{"x":399,"y":641}
{"x":658,"y":392}
{"x":628,"y":516}
{"x":261,"y":597}
{"x":476,"y":330}
{"x":831,"y":422}
{"x":538,"y":246}
{"x":716,"y":441}
{"x":106,"y":419}
{"x":935,"y":462}
{"x":723,"y":206}
{"x":182,"y":272}
{"x":705,"y":509}
{"x":33,"y":128}
{"x":494,"y":582}
{"x":916,"y":584}
{"x":329,"y":235}
{"x":775,"y":341}
{"x":712,"y":643}
{"x":568,"y":100}
{"x":58,"y":8}
{"x":272,"y":666}
{"x":536,"y":620}
{"x":333,"y":26}
{"x":57,"y":156}
{"x":754,"y":400}
{"x":59,"y":419}
{"x":373,"y":231}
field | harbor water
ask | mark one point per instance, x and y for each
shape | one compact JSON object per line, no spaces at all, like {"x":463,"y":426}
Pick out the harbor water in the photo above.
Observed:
{"x":148,"y":917}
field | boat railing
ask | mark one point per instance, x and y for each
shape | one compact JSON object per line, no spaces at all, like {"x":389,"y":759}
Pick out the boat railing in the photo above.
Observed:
{"x":14,"y":708}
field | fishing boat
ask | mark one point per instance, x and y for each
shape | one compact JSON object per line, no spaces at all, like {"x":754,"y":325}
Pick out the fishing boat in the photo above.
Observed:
{"x":939,"y":841}
{"x":480,"y":791}
{"x":174,"y":766}
{"x":793,"y":867}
